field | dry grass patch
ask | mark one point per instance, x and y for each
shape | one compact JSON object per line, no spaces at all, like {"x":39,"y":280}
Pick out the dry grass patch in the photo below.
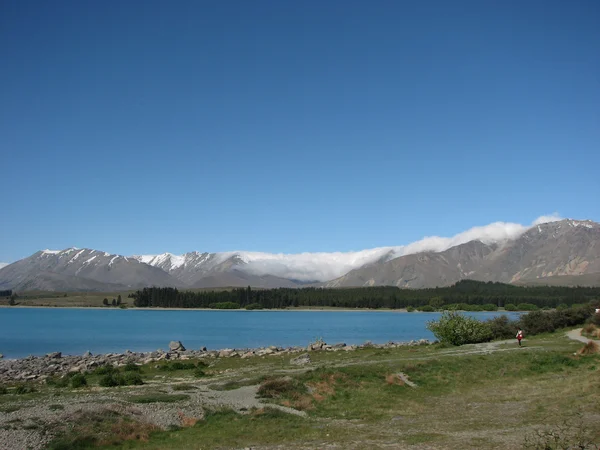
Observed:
{"x":100,"y":428}
{"x":187,"y":421}
{"x":589,"y":328}
{"x":394,"y":379}
{"x":589,"y":349}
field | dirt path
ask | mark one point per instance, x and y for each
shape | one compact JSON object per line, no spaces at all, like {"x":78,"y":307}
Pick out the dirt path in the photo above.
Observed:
{"x":576,"y":336}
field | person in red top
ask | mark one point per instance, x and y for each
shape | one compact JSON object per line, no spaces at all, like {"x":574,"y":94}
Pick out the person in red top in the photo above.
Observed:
{"x":519,"y":336}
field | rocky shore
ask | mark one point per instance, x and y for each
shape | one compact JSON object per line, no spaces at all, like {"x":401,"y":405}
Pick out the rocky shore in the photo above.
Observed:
{"x":39,"y":368}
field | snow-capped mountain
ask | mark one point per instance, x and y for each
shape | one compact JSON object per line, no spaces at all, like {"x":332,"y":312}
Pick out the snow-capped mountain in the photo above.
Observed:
{"x":559,"y":251}
{"x":81,"y":269}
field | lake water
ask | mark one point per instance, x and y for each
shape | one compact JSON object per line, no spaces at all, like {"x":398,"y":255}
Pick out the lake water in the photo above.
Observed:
{"x":37,"y":331}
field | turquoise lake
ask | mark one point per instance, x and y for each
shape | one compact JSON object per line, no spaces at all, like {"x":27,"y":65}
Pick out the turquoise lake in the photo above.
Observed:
{"x":37,"y":331}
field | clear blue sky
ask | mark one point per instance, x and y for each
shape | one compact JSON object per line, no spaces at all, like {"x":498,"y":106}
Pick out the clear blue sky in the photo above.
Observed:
{"x":281,"y":126}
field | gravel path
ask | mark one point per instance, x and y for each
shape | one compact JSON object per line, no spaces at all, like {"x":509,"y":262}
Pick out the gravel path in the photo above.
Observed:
{"x":576,"y":336}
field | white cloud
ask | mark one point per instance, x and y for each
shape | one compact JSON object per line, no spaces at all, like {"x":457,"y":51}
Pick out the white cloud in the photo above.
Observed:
{"x":3,"y":265}
{"x":327,"y":266}
{"x":554,"y":217}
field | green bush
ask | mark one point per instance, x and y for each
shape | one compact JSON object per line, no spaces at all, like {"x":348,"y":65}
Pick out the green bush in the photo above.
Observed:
{"x":537,"y":322}
{"x":111,"y":380}
{"x":502,"y":328}
{"x":489,"y":307}
{"x":78,"y":380}
{"x":457,"y":329}
{"x":177,"y":365}
{"x":510,"y":307}
{"x":410,"y":309}
{"x":562,"y":306}
{"x":131,"y":367}
{"x":199,"y":373}
{"x":132,"y":379}
{"x":426,"y":308}
{"x":106,"y":370}
{"x":526,"y":307}
{"x":252,"y":306}
{"x":3,"y":390}
{"x":224,"y":305}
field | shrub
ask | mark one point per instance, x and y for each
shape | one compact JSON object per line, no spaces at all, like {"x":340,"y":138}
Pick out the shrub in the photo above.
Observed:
{"x":457,"y":329}
{"x":537,"y":322}
{"x":224,"y":305}
{"x":410,"y":309}
{"x":111,"y":380}
{"x":526,"y":307}
{"x":502,"y":328}
{"x":3,"y":390}
{"x":547,"y":321}
{"x":510,"y":307}
{"x":132,"y":379}
{"x":589,"y":349}
{"x":78,"y":380}
{"x":275,"y":387}
{"x":489,"y":307}
{"x":178,"y":365}
{"x":426,"y":308}
{"x":562,"y":306}
{"x":105,"y":370}
{"x":131,"y":367}
{"x":252,"y":306}
{"x":199,"y":373}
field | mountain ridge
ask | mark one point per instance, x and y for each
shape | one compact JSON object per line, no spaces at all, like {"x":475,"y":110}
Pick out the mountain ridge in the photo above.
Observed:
{"x":544,"y":250}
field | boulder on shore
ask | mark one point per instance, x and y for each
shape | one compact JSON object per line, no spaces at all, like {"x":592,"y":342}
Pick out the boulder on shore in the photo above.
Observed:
{"x":176,"y":346}
{"x":54,"y":355}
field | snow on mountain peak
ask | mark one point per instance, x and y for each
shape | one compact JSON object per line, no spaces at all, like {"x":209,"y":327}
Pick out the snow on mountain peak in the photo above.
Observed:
{"x":321,"y":266}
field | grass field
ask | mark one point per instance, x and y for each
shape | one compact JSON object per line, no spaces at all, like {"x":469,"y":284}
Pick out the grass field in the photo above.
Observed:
{"x":476,"y":396}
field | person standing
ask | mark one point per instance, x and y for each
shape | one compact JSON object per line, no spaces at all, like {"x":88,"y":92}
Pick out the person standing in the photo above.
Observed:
{"x":519,"y":336}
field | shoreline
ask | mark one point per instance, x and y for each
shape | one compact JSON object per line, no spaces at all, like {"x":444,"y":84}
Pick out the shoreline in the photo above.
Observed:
{"x":40,"y":367}
{"x":147,"y":308}
{"x":330,"y":309}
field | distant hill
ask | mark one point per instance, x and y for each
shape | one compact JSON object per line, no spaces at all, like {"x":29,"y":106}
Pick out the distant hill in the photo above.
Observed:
{"x":558,"y":252}
{"x":76,"y":269}
{"x":566,"y":252}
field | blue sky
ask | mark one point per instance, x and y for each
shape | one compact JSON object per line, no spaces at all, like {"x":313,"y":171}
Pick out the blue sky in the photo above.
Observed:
{"x":292,"y":126}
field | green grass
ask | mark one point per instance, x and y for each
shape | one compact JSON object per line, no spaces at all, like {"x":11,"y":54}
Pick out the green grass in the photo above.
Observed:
{"x":489,"y":399}
{"x":226,"y":429}
{"x":157,"y":398}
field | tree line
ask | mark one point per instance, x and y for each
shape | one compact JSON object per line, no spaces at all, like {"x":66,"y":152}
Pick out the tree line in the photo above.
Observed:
{"x":466,"y":291}
{"x":6,"y":293}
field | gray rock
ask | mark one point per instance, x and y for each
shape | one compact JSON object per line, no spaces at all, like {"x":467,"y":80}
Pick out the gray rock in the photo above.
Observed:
{"x":54,"y":355}
{"x":87,"y":354}
{"x":1,"y":356}
{"x":301,"y":360}
{"x":176,"y":346}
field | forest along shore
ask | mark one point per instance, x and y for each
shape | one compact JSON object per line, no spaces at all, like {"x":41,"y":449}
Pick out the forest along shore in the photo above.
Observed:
{"x":39,"y":368}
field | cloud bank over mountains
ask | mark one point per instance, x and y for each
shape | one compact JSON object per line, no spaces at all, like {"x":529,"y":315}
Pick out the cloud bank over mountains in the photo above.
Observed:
{"x":322,"y":266}
{"x":327,"y":266}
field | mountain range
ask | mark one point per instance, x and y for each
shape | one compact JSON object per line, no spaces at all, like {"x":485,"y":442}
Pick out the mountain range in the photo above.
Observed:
{"x":559,"y":252}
